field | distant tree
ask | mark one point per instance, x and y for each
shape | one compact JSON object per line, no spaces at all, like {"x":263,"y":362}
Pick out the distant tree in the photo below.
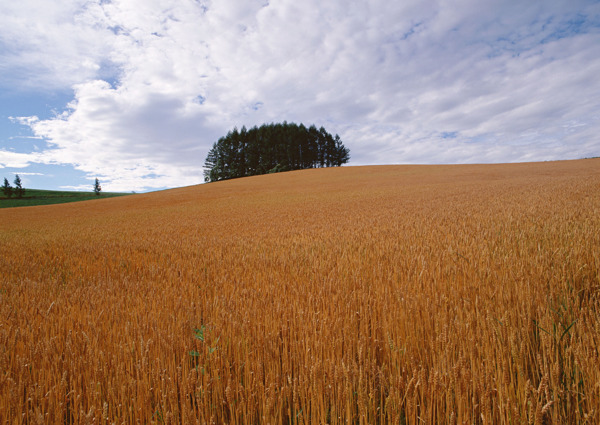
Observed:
{"x":97,"y":187}
{"x":273,"y":148}
{"x":7,"y":188}
{"x":342,"y":154}
{"x":19,"y":190}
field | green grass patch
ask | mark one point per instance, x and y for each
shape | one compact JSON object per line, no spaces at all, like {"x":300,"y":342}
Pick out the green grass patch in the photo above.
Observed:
{"x":47,"y":197}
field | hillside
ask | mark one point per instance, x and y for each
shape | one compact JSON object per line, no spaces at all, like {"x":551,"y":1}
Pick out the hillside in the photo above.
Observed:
{"x":35,"y":197}
{"x":382,"y":294}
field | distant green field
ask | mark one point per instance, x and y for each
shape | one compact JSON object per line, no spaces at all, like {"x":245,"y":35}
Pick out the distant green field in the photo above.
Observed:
{"x":46,"y":197}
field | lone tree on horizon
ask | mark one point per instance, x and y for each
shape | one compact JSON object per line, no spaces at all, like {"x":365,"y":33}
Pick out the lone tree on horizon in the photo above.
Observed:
{"x":19,"y":191}
{"x":272,"y":148}
{"x":7,"y":188}
{"x":97,"y":187}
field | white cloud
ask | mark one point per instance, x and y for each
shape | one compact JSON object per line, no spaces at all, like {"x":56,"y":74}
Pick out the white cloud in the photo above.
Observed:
{"x":17,"y":160}
{"x":48,"y":45}
{"x":28,"y":174}
{"x":157,"y":82}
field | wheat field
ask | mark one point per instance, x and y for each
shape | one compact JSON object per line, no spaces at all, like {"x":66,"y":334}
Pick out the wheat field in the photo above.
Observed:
{"x":457,"y":294}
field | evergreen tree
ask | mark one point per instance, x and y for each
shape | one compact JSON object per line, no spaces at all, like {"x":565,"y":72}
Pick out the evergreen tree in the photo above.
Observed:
{"x":19,"y":191}
{"x":342,"y":153}
{"x":210,"y":164}
{"x":313,"y":146}
{"x":7,"y":188}
{"x":97,"y":187}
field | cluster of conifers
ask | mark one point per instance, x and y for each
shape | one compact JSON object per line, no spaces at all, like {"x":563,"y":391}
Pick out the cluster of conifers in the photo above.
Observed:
{"x":18,"y":190}
{"x":272,"y":148}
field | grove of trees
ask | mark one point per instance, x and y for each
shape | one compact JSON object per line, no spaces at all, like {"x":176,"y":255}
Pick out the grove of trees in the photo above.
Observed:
{"x":273,"y":148}
{"x":18,"y":190}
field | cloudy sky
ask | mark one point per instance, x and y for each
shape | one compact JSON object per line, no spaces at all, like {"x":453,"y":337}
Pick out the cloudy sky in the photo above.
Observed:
{"x":135,"y":92}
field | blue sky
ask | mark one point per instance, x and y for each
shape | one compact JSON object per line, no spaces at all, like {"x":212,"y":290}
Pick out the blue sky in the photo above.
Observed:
{"x":135,"y":92}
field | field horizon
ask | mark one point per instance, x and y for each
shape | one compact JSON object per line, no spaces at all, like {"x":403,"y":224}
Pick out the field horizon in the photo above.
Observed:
{"x":404,"y":294}
{"x":35,"y":197}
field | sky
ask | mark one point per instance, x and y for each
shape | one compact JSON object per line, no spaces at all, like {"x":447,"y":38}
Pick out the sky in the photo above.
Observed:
{"x":135,"y":92}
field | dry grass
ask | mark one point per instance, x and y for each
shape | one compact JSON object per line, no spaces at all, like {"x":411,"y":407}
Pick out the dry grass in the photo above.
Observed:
{"x":396,"y":294}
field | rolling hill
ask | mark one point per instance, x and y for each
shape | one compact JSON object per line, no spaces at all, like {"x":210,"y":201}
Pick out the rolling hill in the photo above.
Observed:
{"x":34,"y":197}
{"x":378,"y":294}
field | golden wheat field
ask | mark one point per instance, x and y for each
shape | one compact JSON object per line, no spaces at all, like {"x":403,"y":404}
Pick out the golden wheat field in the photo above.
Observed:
{"x":459,"y":294}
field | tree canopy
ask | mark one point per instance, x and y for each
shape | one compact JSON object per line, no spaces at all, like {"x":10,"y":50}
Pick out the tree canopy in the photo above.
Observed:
{"x":273,"y":148}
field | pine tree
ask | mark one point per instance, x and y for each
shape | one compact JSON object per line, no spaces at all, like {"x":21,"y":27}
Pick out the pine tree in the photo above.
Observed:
{"x":7,"y":188}
{"x":97,"y":187}
{"x":210,"y":164}
{"x":19,"y":191}
{"x":342,"y":154}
